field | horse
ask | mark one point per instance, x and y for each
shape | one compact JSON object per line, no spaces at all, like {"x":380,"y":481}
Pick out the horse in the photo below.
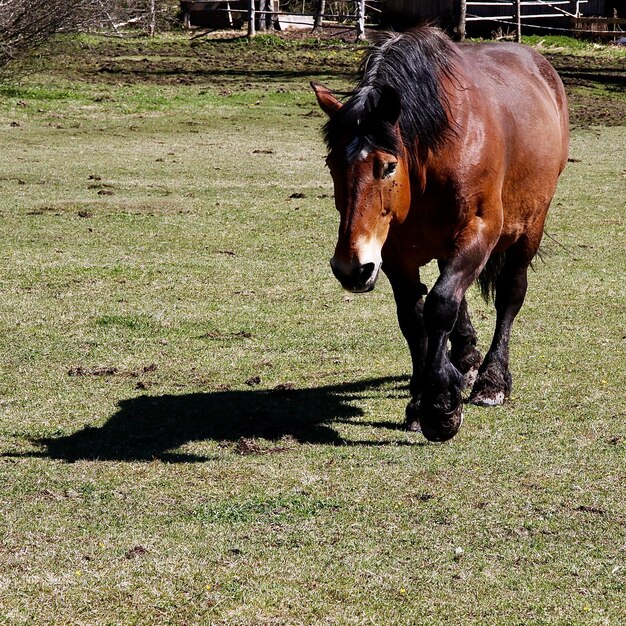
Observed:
{"x":449,"y":152}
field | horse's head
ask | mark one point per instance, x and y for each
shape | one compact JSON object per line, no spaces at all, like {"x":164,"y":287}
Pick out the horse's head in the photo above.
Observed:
{"x":370,"y":176}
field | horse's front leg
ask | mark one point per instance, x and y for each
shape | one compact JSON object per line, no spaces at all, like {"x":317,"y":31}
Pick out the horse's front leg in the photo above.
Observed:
{"x":409,"y":294}
{"x":441,"y":406}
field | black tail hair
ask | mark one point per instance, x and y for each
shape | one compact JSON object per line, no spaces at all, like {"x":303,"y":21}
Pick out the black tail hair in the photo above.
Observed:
{"x":489,"y":276}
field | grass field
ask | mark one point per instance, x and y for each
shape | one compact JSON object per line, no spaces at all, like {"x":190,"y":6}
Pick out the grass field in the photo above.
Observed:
{"x":197,"y":426}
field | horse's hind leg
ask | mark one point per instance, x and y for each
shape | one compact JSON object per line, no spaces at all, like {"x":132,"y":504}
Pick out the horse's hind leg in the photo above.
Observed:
{"x":493,"y":384}
{"x":463,"y":352}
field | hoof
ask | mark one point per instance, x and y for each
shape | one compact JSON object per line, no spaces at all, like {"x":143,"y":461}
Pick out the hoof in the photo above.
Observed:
{"x":412,"y":421}
{"x":492,"y":387}
{"x":488,"y":399}
{"x":437,"y":425}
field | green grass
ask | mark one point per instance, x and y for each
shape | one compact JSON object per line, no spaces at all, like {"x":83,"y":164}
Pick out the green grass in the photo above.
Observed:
{"x":197,"y":426}
{"x":572,"y":45}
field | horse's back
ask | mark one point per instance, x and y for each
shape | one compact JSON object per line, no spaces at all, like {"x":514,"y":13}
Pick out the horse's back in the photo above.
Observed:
{"x":506,"y":62}
{"x":524,"y":95}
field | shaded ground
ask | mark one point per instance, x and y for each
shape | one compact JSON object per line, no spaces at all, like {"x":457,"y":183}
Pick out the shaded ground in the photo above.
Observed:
{"x":148,"y":427}
{"x":214,"y":61}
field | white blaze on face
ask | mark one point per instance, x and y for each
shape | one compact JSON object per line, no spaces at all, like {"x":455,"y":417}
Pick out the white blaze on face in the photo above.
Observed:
{"x":369,"y":250}
{"x":365,"y":250}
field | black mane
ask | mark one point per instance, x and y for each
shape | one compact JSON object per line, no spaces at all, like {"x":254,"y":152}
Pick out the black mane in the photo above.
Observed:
{"x":412,"y":63}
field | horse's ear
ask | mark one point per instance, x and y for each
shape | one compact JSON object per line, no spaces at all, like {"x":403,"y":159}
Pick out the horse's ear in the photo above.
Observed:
{"x":328,"y":103}
{"x":389,"y":104}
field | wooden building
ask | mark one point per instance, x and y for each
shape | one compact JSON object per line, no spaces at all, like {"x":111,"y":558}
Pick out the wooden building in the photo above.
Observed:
{"x":405,"y":13}
{"x":217,"y":14}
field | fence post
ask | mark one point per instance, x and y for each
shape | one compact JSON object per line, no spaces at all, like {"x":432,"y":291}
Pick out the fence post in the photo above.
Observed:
{"x":263,"y":7}
{"x":360,"y":20}
{"x":185,"y":6}
{"x":319,"y":15}
{"x":229,"y":15}
{"x":152,"y":26}
{"x":517,"y":12}
{"x":460,"y":26}
{"x":251,"y":19}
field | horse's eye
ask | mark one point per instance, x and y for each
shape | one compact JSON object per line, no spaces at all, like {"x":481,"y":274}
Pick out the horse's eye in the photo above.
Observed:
{"x":389,"y":169}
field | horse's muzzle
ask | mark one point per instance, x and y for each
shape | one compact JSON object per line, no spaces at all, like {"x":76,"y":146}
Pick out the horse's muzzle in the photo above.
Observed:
{"x":361,"y":279}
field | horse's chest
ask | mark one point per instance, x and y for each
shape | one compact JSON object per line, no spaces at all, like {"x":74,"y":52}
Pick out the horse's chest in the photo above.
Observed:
{"x":414,"y":244}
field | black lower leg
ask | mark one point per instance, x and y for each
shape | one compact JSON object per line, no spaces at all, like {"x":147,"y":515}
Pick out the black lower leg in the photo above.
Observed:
{"x":463,"y":352}
{"x":493,"y":384}
{"x":409,"y":296}
{"x":441,"y":409}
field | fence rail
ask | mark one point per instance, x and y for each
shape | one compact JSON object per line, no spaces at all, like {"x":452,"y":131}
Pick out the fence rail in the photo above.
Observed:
{"x":258,"y":12}
{"x":601,"y":27}
{"x":523,"y":12}
{"x":516,"y":13}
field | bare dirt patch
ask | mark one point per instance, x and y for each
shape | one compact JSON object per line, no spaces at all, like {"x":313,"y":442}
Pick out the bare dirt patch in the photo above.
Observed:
{"x":595,"y":89}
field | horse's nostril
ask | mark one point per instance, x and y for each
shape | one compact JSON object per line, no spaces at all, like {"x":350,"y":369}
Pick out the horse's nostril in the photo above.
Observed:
{"x":365,"y":271}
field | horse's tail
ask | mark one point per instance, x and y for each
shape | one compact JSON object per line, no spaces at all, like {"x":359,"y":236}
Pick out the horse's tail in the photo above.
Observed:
{"x":488,"y":277}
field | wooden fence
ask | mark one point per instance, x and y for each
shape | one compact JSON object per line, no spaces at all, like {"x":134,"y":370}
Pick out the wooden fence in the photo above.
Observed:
{"x":531,"y":14}
{"x":601,"y":26}
{"x":265,"y":15}
{"x":549,"y":16}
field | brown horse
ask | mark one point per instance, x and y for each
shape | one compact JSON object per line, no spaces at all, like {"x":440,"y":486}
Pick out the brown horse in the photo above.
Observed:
{"x":450,"y":152}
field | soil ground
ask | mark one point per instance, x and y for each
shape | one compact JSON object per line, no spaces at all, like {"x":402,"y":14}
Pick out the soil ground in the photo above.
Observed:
{"x":594,"y":76}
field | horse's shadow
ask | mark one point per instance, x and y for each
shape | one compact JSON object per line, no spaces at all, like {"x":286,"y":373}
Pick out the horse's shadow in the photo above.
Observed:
{"x":153,"y":427}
